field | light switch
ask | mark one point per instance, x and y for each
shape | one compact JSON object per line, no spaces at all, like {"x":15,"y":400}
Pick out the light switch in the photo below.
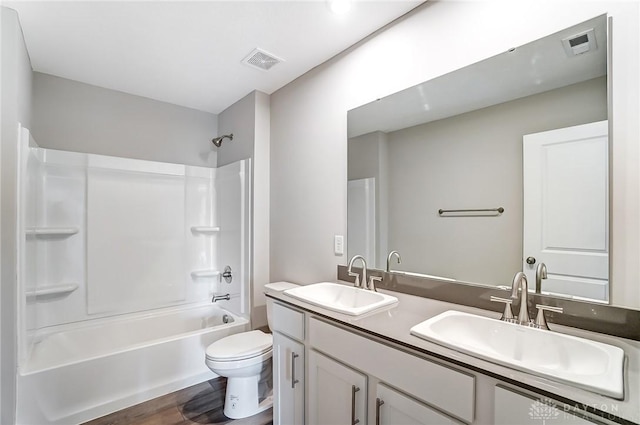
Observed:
{"x":338,"y":244}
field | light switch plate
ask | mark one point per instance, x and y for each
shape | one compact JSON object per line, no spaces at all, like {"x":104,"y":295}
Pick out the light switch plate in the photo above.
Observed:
{"x":338,"y":244}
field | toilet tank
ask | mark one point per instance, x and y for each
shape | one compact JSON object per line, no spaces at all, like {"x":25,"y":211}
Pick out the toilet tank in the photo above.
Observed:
{"x":277,"y":287}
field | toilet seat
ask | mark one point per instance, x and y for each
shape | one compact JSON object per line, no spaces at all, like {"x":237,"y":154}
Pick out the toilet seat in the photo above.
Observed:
{"x":241,"y":346}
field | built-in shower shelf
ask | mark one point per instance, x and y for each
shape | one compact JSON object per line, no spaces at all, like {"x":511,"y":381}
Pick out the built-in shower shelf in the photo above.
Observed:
{"x":48,"y":291}
{"x":205,"y":229}
{"x":51,"y":231}
{"x":205,"y":273}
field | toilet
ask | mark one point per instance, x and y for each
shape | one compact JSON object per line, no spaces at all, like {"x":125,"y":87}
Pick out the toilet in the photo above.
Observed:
{"x":245,"y":360}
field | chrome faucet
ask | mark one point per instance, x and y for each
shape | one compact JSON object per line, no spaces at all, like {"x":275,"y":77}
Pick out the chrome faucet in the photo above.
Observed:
{"x":225,"y":297}
{"x":541,"y":273}
{"x":390,"y":256}
{"x":520,"y":282}
{"x":353,"y":274}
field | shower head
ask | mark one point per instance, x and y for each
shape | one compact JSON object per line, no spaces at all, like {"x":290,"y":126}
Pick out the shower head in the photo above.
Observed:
{"x":218,"y":140}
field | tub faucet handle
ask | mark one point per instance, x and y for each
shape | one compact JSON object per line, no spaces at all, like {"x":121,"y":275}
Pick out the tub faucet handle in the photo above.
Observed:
{"x":226,"y":275}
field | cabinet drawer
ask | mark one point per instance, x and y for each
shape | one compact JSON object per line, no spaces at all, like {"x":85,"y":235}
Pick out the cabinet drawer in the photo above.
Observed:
{"x":446,"y":389}
{"x":394,"y":408}
{"x":514,"y":408}
{"x":288,"y":321}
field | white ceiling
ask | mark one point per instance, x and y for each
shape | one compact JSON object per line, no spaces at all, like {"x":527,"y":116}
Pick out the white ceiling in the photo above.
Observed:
{"x":189,"y":53}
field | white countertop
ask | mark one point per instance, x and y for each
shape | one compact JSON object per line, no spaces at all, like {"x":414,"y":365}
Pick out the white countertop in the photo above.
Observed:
{"x":394,"y":324}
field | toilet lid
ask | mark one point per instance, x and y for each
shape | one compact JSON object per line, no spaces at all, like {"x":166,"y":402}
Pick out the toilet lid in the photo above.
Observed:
{"x":240,"y":346}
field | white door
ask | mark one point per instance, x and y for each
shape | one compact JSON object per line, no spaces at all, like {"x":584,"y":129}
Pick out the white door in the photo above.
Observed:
{"x":337,"y":393}
{"x":361,"y":219}
{"x":395,"y":408}
{"x":288,"y":381}
{"x":566,"y":209}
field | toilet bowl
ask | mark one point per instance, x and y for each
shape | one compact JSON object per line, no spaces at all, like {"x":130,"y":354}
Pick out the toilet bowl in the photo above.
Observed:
{"x":242,"y":358}
{"x":245,"y":360}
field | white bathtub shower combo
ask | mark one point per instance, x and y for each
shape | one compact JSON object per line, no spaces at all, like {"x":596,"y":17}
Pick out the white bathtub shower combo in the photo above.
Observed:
{"x":119,"y":260}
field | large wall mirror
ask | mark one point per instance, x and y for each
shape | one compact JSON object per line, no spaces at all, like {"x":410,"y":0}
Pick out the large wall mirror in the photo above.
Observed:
{"x":491,"y":169}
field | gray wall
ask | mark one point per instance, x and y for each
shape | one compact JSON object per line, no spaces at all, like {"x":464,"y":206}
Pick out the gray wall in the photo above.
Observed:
{"x":73,"y":116}
{"x":249,"y":120}
{"x":309,"y":121}
{"x":261,"y":213}
{"x":238,"y":119}
{"x":15,"y":87}
{"x":474,"y":160}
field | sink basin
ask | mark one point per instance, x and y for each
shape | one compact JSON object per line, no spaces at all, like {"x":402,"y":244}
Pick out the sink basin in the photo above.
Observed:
{"x":341,"y":298}
{"x":587,"y":364}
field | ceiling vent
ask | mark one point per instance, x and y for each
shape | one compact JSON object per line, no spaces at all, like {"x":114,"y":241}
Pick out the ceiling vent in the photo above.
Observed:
{"x":580,"y":43}
{"x":261,"y":60}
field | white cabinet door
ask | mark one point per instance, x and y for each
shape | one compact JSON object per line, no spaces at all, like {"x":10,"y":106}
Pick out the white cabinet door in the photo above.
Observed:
{"x":288,"y":381}
{"x":514,"y":408}
{"x":395,"y":408}
{"x":566,"y":209}
{"x":337,"y":393}
{"x":449,"y":390}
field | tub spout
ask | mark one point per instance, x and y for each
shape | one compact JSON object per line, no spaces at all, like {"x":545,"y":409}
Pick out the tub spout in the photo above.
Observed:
{"x":225,"y":297}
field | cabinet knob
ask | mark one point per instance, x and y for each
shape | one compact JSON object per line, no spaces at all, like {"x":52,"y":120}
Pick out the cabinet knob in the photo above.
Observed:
{"x":531,"y":260}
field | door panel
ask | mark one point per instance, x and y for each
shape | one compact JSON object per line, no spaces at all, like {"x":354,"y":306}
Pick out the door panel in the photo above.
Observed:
{"x":566,"y":209}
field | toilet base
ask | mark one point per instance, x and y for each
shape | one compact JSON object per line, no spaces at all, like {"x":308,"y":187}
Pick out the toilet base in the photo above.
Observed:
{"x":242,"y":398}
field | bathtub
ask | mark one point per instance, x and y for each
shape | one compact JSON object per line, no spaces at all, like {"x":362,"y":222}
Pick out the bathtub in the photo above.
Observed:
{"x":81,"y":372}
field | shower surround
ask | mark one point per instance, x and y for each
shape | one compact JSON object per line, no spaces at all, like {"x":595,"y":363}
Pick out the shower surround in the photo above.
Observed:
{"x":118,"y":262}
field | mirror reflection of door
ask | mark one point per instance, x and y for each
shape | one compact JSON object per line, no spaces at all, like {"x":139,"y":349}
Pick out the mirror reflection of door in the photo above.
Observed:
{"x":566,"y":209}
{"x":361,"y":219}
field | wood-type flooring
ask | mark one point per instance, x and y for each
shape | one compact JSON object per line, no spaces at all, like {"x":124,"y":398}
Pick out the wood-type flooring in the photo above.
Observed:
{"x":199,"y":404}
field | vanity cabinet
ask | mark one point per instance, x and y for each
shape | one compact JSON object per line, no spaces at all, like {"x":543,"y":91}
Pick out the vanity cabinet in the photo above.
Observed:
{"x":395,"y":408}
{"x":337,"y":393}
{"x":346,"y":376}
{"x":443,"y":394}
{"x":288,"y":366}
{"x":512,"y":407}
{"x":288,"y":380}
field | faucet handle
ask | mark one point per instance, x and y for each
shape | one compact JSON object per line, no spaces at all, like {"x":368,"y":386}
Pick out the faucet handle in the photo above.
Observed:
{"x":372,"y":280}
{"x":507,"y":315}
{"x":541,"y":321}
{"x":356,"y":275}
